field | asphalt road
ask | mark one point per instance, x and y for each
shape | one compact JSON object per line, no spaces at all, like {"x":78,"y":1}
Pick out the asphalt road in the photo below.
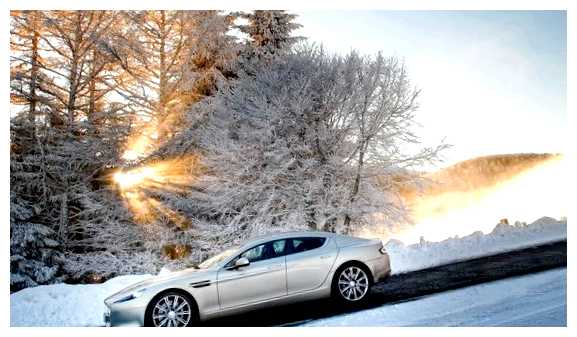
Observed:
{"x":413,"y":285}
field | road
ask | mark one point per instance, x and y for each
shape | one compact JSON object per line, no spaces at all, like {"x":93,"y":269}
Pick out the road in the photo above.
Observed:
{"x":414,"y":285}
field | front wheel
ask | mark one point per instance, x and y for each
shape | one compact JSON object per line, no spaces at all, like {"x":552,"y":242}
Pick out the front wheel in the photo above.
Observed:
{"x":170,"y":310}
{"x":352,"y":284}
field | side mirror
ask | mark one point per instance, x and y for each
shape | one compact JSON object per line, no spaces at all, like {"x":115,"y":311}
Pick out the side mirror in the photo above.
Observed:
{"x":242,"y":262}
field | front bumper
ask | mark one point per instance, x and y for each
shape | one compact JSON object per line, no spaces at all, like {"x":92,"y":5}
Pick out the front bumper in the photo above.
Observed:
{"x":129,"y":313}
{"x":125,"y":317}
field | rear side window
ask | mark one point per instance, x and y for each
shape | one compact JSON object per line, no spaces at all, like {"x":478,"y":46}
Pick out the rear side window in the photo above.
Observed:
{"x":305,"y":244}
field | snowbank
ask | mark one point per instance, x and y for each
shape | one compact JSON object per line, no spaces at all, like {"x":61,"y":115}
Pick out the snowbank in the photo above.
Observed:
{"x":532,"y":300}
{"x":503,"y":238}
{"x":65,"y":304}
{"x":82,"y":305}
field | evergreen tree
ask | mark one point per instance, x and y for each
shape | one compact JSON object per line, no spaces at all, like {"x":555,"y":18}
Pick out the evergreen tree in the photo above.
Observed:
{"x":25,"y":62}
{"x":269,"y":32}
{"x":64,"y":140}
{"x":173,"y":59}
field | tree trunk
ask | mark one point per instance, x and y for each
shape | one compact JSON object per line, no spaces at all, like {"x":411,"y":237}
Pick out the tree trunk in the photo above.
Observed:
{"x":92,"y":88}
{"x":364,"y":142}
{"x":357,"y":183}
{"x":73,"y":77}
{"x":70,"y":106}
{"x":162,"y":70}
{"x":34,"y":70}
{"x":163,"y":78}
{"x":92,"y":93}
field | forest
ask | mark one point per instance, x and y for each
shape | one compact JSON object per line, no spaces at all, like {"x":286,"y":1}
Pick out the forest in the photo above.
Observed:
{"x":149,"y":139}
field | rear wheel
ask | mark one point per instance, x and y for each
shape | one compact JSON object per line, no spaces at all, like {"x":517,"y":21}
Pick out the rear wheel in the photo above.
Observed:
{"x":352,"y":284}
{"x":171,"y":309}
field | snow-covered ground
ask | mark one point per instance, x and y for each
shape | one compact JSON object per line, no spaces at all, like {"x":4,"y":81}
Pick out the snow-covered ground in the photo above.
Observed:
{"x":82,"y":305}
{"x":503,"y":238}
{"x":532,"y":300}
{"x":65,"y":304}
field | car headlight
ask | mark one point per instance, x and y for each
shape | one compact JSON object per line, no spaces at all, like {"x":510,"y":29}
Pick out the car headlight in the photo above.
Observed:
{"x":131,"y":296}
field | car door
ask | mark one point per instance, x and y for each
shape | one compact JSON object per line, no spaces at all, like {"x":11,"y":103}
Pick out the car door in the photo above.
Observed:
{"x":263,"y":279}
{"x":308,"y":262}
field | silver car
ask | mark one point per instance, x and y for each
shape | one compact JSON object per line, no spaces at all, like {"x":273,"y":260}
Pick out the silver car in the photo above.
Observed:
{"x":277,"y":269}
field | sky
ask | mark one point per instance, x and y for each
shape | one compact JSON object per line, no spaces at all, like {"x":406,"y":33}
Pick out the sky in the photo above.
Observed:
{"x":491,"y":82}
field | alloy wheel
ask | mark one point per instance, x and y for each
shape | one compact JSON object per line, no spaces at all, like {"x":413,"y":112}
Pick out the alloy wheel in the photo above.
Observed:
{"x":353,"y":283}
{"x":171,"y":311}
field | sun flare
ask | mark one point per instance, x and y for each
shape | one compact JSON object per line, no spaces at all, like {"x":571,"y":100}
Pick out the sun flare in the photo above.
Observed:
{"x":133,"y":178}
{"x":141,"y":143}
{"x":525,"y":197}
{"x":140,"y":187}
{"x":148,"y":135}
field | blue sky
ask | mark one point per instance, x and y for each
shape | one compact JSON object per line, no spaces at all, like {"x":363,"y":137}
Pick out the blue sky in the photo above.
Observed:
{"x":492,"y":81}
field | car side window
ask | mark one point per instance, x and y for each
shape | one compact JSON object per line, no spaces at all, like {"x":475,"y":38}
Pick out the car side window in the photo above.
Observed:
{"x":305,"y":244}
{"x":263,"y":251}
{"x":255,"y":254}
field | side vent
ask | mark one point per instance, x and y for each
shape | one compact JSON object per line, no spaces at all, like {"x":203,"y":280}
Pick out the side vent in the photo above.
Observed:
{"x":200,"y":284}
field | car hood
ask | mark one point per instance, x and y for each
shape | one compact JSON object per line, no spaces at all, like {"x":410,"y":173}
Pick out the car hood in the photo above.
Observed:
{"x":190,"y":274}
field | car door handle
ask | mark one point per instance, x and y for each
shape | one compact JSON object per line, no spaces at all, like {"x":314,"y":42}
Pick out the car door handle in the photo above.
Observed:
{"x":275,"y":266}
{"x":325,"y":257}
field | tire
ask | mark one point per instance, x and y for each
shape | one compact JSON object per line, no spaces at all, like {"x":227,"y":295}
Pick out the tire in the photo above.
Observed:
{"x":352,"y":284}
{"x":171,"y":309}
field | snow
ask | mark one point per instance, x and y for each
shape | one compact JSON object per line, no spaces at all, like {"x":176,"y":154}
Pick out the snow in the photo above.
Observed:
{"x":65,"y":304}
{"x":494,"y":304}
{"x":405,"y":258}
{"x":532,"y":300}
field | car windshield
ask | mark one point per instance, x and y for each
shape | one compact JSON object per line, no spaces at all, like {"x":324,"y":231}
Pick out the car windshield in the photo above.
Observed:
{"x":217,"y":258}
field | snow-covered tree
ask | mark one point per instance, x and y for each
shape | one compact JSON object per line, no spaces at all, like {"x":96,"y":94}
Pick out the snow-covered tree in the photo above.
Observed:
{"x":59,"y":157}
{"x":65,"y":69}
{"x":79,"y":78}
{"x":270,"y":31}
{"x":25,"y":73}
{"x":270,"y":34}
{"x":35,"y":253}
{"x":309,"y":141}
{"x":173,"y":59}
